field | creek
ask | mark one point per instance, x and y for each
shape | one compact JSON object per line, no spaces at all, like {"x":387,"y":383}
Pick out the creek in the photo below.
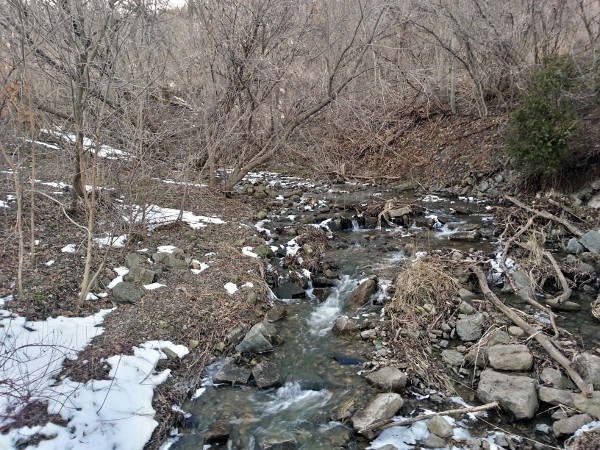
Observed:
{"x":318,"y":371}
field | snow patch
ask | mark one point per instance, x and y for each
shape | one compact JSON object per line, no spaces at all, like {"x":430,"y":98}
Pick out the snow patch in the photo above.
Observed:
{"x":70,"y":248}
{"x":231,"y":287}
{"x":113,"y":241}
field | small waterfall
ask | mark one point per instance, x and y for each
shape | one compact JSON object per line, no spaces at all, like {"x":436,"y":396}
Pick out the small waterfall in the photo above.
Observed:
{"x":355,"y":226}
{"x":322,"y":318}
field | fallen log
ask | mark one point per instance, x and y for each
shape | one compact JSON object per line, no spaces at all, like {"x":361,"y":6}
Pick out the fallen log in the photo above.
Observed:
{"x":390,"y":424}
{"x":546,"y":215}
{"x":538,"y":335}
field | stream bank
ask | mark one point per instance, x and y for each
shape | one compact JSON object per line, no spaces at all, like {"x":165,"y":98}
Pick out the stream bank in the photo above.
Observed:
{"x":322,"y":241}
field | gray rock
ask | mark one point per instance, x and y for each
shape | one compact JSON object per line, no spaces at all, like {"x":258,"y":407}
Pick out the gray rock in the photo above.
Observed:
{"x":133,"y":260}
{"x":465,"y":294}
{"x":322,"y":293}
{"x":140,"y":275}
{"x":516,"y":393}
{"x":498,"y":336}
{"x":466,"y":308}
{"x":231,"y":373}
{"x":236,"y":333}
{"x":591,"y":240}
{"x":434,"y":441}
{"x":467,"y":236}
{"x":257,"y":339}
{"x":440,"y":427}
{"x":266,"y":375}
{"x":278,"y":443}
{"x":264,"y":251}
{"x":344,"y":325}
{"x":510,"y":357}
{"x":452,"y":357}
{"x":470,"y":328}
{"x":126,"y":292}
{"x":588,"y":366}
{"x":383,"y":407}
{"x":590,"y":405}
{"x":555,"y":378}
{"x":169,"y":260}
{"x":388,"y":379}
{"x":574,"y":247}
{"x":523,"y":284}
{"x":362,"y":294}
{"x":399,"y":212}
{"x":515,"y":331}
{"x":568,"y":426}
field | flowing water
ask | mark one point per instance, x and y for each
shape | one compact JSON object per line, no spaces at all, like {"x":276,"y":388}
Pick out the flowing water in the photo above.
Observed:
{"x":316,"y":380}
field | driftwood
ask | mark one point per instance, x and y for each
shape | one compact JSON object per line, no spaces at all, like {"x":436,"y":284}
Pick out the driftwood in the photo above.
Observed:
{"x":390,"y":424}
{"x":546,"y":215}
{"x":539,"y":336}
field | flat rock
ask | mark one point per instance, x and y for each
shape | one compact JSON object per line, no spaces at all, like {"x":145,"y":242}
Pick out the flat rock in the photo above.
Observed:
{"x":578,"y":401}
{"x":362,"y":294}
{"x":452,"y":357}
{"x":555,"y":378}
{"x":568,"y":426}
{"x":388,"y":379}
{"x":266,"y":375}
{"x":384,"y":407}
{"x":516,"y":393}
{"x":510,"y":357}
{"x":126,"y":292}
{"x":588,"y":366}
{"x":467,"y":236}
{"x":231,"y":373}
{"x":591,"y":240}
{"x":470,"y":328}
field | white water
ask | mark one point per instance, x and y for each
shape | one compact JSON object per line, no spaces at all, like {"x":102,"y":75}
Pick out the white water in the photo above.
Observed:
{"x":322,"y":318}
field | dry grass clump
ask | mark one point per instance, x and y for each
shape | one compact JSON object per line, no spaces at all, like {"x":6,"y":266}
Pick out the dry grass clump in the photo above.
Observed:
{"x":317,"y":242}
{"x":424,"y":290}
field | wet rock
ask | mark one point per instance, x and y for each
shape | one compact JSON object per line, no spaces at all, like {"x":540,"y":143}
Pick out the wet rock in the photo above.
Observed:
{"x":344,"y":325}
{"x":440,"y":427}
{"x":278,"y":443}
{"x":591,"y":240}
{"x":126,"y":292}
{"x":218,"y":433}
{"x":470,"y":328}
{"x":322,"y":282}
{"x":388,"y":379}
{"x":588,"y":366}
{"x":516,"y":393}
{"x":568,"y":426}
{"x":231,"y":373}
{"x":140,"y":275}
{"x":264,"y":251}
{"x":555,"y":378}
{"x":466,"y":236}
{"x":523,"y":284}
{"x":257,"y":339}
{"x":344,"y":411}
{"x":266,"y":375}
{"x":277,"y":312}
{"x":321,"y":293}
{"x":368,"y":335}
{"x":133,"y":260}
{"x":362,"y":294}
{"x":236,"y":333}
{"x":590,"y":405}
{"x":452,"y":357}
{"x":574,"y":247}
{"x":510,"y":357}
{"x":383,"y":407}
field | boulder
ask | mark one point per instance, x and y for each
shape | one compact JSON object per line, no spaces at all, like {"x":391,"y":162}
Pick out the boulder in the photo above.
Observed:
{"x":126,"y":292}
{"x":589,"y":405}
{"x":231,"y":373}
{"x":516,"y":393}
{"x":440,"y":427}
{"x":568,"y":426}
{"x":266,"y":375}
{"x":362,"y":294}
{"x":588,"y":366}
{"x":140,"y":275}
{"x":470,"y":328}
{"x":344,"y":325}
{"x":523,"y":285}
{"x":133,"y":260}
{"x":467,"y":236}
{"x":383,"y":407}
{"x":257,"y":339}
{"x":510,"y":357}
{"x":591,"y":240}
{"x":452,"y":357}
{"x":388,"y":379}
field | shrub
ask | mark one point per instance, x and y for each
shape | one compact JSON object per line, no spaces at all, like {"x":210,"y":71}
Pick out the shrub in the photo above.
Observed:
{"x":541,"y":128}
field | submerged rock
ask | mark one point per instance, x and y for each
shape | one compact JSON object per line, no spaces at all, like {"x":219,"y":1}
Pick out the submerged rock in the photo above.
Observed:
{"x":516,"y":393}
{"x":384,"y":407}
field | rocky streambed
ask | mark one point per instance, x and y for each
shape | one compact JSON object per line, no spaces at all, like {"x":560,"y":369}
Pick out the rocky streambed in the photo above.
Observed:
{"x":330,"y":367}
